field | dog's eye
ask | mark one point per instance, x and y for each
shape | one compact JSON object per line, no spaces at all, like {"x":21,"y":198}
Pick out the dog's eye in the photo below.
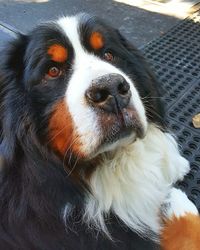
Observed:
{"x":108,"y":56}
{"x":54,"y":72}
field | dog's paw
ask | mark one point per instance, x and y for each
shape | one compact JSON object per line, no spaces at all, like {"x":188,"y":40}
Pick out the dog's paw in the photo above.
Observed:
{"x":178,"y":204}
{"x":181,"y":227}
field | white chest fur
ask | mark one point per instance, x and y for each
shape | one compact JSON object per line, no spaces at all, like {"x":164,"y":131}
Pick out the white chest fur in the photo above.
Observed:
{"x":133,"y":182}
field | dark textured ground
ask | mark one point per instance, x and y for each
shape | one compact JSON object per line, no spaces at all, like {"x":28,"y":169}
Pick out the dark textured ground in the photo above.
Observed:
{"x":138,"y":25}
{"x":175,"y":58}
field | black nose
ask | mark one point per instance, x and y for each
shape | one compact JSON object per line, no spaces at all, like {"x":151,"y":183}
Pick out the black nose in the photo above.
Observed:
{"x":109,"y":92}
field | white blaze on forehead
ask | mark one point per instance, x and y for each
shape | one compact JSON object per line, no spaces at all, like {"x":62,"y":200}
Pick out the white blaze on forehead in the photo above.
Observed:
{"x":86,"y":68}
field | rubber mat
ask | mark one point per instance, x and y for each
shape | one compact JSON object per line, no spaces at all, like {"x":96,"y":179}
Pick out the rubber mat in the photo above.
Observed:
{"x":175,"y":58}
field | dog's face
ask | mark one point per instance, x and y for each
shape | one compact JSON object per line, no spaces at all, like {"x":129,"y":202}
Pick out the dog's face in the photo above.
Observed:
{"x":84,"y":86}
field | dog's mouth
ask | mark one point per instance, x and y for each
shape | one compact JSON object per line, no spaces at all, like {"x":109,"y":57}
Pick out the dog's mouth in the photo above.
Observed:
{"x":121,"y":128}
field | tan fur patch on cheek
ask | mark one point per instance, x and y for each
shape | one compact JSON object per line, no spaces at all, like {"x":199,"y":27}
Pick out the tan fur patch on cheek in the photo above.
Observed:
{"x":58,"y":53}
{"x":62,"y":136}
{"x":96,"y":40}
{"x":181,"y":233}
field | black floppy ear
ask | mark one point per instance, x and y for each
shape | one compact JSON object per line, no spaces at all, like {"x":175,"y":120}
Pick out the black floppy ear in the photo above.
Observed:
{"x":11,"y":75}
{"x":147,"y":84}
{"x":13,"y":56}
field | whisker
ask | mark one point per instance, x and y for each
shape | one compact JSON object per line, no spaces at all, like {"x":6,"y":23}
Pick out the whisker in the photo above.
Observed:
{"x":69,"y":148}
{"x":154,"y":112}
{"x":77,"y":159}
{"x":151,"y":97}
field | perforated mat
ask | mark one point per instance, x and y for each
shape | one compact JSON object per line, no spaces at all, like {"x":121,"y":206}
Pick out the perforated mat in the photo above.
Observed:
{"x":175,"y":58}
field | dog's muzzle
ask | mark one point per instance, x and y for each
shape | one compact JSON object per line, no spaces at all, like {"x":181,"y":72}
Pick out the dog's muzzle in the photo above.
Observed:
{"x":110,"y":97}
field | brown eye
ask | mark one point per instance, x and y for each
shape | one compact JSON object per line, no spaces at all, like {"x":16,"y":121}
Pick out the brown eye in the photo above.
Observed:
{"x":108,"y":56}
{"x":54,"y":72}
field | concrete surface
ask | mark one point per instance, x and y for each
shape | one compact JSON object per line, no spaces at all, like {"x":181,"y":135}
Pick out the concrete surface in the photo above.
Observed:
{"x":6,"y":34}
{"x":138,"y":25}
{"x":167,"y":7}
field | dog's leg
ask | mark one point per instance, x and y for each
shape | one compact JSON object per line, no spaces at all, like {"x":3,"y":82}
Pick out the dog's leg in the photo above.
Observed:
{"x":182,"y":224}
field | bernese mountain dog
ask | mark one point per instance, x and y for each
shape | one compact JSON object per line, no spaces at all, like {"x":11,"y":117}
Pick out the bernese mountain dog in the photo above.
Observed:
{"x":86,"y":159}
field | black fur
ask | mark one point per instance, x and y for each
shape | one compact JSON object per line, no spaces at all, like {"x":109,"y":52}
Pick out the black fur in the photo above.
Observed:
{"x":34,"y":186}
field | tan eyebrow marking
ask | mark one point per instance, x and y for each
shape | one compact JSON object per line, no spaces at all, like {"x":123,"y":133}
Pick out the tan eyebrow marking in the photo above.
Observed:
{"x":58,"y":53}
{"x":96,"y":40}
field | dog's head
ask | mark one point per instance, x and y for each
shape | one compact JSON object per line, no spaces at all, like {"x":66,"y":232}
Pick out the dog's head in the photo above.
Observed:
{"x":80,"y":86}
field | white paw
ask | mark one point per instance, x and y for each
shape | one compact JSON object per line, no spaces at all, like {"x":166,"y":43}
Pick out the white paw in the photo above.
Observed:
{"x":179,"y":204}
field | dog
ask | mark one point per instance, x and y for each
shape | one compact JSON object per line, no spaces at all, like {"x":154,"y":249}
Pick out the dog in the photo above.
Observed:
{"x":86,"y":159}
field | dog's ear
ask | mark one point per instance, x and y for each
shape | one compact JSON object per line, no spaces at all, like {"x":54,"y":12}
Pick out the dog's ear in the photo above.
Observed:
{"x":13,"y":56}
{"x":146,"y":82}
{"x":11,"y":75}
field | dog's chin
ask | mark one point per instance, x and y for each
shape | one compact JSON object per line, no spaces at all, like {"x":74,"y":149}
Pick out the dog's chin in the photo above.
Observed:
{"x":116,"y":139}
{"x":121,"y":140}
{"x":118,"y":130}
